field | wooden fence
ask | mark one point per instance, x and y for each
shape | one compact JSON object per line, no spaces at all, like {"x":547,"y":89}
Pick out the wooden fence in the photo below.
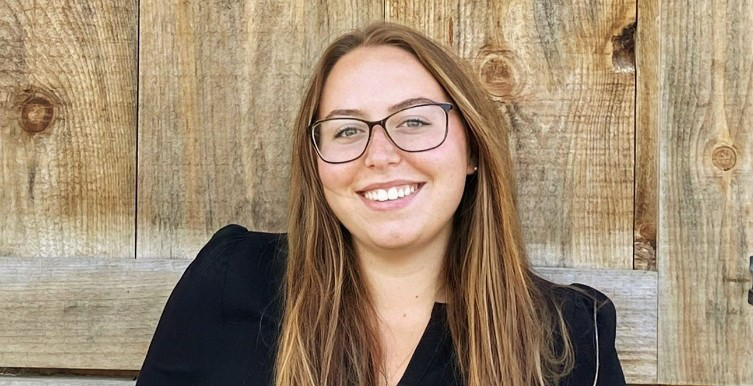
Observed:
{"x":131,"y":130}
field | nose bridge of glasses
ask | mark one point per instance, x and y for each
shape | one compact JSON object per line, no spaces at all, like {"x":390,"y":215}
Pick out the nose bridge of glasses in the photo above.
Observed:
{"x":384,"y":133}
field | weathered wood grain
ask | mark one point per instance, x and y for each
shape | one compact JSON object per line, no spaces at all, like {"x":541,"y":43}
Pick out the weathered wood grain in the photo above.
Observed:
{"x":67,"y":128}
{"x":634,"y":294}
{"x":563,"y":73}
{"x":85,"y":313}
{"x":706,"y":192}
{"x":220,"y":83}
{"x":647,"y":113}
{"x":64,"y":381}
{"x":94,"y":313}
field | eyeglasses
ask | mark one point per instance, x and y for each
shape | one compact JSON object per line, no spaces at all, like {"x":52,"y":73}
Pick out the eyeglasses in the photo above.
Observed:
{"x":413,"y":129}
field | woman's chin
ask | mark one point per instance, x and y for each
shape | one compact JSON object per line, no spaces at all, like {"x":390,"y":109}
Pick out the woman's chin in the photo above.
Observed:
{"x":388,"y":241}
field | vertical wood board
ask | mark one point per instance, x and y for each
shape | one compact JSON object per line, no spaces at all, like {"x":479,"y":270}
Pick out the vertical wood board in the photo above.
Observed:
{"x":563,"y":74}
{"x":221,"y":83}
{"x":648,"y":113}
{"x":67,"y":128}
{"x":705,"y":195}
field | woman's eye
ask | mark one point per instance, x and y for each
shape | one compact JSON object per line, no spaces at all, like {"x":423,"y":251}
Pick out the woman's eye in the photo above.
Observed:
{"x":346,"y":132}
{"x":414,"y":123}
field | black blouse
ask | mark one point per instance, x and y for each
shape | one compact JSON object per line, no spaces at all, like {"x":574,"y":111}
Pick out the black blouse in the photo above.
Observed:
{"x":220,"y":324}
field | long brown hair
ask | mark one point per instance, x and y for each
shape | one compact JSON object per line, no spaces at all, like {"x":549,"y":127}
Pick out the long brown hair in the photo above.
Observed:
{"x":505,"y":325}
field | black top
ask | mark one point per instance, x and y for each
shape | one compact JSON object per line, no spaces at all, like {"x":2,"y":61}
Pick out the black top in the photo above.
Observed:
{"x":220,"y":324}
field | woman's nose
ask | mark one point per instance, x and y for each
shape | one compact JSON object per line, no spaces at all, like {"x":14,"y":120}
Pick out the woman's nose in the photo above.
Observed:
{"x":381,"y":150}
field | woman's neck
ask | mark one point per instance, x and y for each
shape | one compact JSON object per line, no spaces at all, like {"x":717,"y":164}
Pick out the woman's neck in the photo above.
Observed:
{"x":403,"y":280}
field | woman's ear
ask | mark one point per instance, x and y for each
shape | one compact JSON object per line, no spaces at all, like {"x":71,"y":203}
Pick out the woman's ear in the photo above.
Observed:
{"x":472,"y":165}
{"x":471,"y":168}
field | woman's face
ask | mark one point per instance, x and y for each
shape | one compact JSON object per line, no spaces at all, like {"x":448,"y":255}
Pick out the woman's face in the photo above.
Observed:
{"x":369,"y":82}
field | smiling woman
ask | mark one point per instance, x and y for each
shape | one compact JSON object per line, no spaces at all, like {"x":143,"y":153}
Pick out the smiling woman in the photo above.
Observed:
{"x":403,"y":263}
{"x":412,"y":230}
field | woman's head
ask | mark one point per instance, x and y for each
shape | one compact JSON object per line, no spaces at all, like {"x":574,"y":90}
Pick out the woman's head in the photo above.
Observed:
{"x":462,"y":194}
{"x":389,"y":198}
{"x":370,"y":71}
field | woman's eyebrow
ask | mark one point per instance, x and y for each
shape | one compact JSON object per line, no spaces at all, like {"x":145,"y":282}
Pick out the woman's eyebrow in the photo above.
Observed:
{"x":392,"y":109}
{"x":346,"y":112}
{"x":410,"y":102}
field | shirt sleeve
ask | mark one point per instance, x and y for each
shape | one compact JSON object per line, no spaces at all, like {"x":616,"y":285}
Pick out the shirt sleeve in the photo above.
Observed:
{"x":592,"y":322}
{"x":191,"y":338}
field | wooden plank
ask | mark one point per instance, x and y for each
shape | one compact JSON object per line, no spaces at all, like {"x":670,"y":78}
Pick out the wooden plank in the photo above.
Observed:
{"x":634,"y":294}
{"x":67,"y":128}
{"x":220,"y":83}
{"x":64,"y":381}
{"x":94,"y":313}
{"x":75,"y":382}
{"x":81,"y":313}
{"x":646,"y":131}
{"x":706,"y":195}
{"x":567,"y":90}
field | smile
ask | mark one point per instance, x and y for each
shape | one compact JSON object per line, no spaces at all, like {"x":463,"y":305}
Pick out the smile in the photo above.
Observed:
{"x":391,"y":194}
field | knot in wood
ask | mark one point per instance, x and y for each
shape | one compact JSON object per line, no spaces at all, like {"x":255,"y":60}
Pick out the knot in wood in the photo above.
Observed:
{"x":623,"y":49}
{"x":499,"y":72}
{"x":37,"y":110}
{"x":724,"y":157}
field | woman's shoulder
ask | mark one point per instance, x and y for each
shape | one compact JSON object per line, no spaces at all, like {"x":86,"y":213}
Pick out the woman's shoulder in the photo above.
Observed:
{"x":234,"y":234}
{"x":221,"y":315}
{"x":249,"y":266}
{"x":578,"y":301}
{"x":581,"y":302}
{"x":591,"y":319}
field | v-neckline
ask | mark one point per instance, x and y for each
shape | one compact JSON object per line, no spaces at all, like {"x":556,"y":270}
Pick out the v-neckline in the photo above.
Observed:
{"x":425,"y":350}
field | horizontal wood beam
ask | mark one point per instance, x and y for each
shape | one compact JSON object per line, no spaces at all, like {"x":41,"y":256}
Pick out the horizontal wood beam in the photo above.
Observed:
{"x":100,"y":313}
{"x":63,"y":381}
{"x":85,"y":313}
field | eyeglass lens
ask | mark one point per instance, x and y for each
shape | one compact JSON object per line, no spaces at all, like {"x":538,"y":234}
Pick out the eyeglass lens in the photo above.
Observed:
{"x":414,"y":129}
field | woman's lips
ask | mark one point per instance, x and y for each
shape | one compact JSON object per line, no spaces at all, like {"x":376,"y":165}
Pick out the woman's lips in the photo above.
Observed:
{"x":391,"y":193}
{"x":376,"y":200}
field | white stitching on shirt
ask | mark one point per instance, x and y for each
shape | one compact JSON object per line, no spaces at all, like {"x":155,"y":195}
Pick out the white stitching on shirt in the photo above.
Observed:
{"x":596,"y":331}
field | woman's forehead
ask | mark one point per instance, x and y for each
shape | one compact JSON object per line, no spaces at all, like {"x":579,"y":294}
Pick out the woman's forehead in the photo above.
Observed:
{"x":375,"y":78}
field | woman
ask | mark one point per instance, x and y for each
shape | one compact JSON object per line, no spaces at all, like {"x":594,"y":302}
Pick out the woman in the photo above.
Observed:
{"x":403,"y":263}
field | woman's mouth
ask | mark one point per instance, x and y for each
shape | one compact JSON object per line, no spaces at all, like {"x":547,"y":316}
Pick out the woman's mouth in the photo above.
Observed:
{"x":392,"y":193}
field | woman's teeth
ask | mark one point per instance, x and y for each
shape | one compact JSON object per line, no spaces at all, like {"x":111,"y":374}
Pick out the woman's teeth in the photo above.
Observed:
{"x":392,"y":193}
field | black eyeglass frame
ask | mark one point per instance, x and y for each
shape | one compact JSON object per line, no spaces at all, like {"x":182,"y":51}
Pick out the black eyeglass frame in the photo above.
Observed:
{"x":444,"y":105}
